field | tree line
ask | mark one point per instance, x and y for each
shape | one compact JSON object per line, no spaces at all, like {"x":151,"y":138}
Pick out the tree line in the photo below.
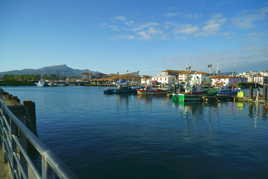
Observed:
{"x":29,"y":77}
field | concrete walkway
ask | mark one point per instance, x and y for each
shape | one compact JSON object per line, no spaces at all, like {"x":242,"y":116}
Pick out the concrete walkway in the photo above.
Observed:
{"x":4,"y":170}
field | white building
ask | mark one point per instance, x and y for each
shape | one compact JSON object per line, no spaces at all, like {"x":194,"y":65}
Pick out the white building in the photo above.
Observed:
{"x":198,"y":78}
{"x":259,"y":79}
{"x":226,"y":81}
{"x":264,"y":73}
{"x":165,"y":77}
{"x":180,"y":76}
{"x":146,"y":80}
{"x":256,"y":77}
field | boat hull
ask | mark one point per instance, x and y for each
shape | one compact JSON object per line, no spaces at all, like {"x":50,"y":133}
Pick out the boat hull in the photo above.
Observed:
{"x":120,"y":91}
{"x":187,"y":97}
{"x":151,"y":92}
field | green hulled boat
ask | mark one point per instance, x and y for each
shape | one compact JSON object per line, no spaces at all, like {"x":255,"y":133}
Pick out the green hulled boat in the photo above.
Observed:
{"x":187,"y":98}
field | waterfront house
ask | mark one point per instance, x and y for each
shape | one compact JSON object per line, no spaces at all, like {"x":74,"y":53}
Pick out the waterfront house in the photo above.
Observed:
{"x":198,"y":78}
{"x":264,"y":73}
{"x":165,"y":77}
{"x":226,"y":81}
{"x":257,"y":77}
{"x":146,"y":80}
{"x":181,"y":76}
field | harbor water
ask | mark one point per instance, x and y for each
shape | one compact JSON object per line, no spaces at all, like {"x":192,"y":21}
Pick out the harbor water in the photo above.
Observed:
{"x":118,"y":137}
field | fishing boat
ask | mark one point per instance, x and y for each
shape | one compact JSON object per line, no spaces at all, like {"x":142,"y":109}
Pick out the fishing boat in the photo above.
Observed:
{"x":42,"y":83}
{"x":151,"y":91}
{"x":227,"y":94}
{"x":192,"y":93}
{"x":122,"y":88}
{"x":188,"y":97}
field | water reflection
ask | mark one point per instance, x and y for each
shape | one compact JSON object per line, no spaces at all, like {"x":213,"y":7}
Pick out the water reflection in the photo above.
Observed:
{"x":257,"y":111}
{"x":149,"y":99}
{"x":122,"y":101}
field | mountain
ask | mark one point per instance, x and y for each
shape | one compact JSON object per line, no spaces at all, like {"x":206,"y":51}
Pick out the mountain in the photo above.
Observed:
{"x":62,"y":70}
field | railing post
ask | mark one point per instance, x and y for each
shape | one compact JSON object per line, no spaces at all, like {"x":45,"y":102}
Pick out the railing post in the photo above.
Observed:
{"x":44,"y":167}
{"x":31,"y":173}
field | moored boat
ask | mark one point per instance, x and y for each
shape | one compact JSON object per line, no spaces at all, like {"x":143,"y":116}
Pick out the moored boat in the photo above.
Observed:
{"x":120,"y":90}
{"x":151,"y":91}
{"x":228,"y":92}
{"x":42,"y":83}
{"x":183,"y":97}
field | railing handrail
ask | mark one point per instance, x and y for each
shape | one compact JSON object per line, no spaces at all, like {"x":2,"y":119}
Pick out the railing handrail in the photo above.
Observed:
{"x":55,"y":163}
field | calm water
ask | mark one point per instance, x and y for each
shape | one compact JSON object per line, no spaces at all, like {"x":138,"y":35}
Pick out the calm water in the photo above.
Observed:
{"x":120,"y":137}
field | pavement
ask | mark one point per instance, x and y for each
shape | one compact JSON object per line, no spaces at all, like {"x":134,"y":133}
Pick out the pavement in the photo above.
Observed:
{"x":4,"y":170}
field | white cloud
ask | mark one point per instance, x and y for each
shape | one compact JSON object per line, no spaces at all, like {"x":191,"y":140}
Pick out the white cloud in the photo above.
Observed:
{"x":213,"y":25}
{"x":144,"y":35}
{"x":248,"y":19}
{"x":149,"y":33}
{"x":187,"y":29}
{"x":124,"y":20}
{"x":145,"y":25}
{"x":129,"y":37}
{"x":111,"y":26}
{"x":172,"y":29}
{"x":120,"y":18}
{"x":183,"y":15}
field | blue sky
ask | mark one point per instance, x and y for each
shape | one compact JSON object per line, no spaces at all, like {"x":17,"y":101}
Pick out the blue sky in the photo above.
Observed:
{"x":145,"y":35}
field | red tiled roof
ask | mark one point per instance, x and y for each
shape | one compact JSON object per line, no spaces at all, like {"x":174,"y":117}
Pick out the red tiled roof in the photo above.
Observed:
{"x":184,"y":72}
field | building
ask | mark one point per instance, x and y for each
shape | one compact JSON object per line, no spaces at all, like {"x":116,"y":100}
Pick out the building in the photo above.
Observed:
{"x":264,"y":73}
{"x":257,"y":77}
{"x":226,"y":81}
{"x":146,"y":80}
{"x":181,"y":76}
{"x":165,"y":77}
{"x":199,"y":78}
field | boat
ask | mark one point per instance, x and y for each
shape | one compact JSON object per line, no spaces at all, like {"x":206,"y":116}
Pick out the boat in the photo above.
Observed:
{"x":151,"y":91}
{"x":183,"y":97}
{"x":42,"y":83}
{"x":120,"y":90}
{"x":228,"y":92}
{"x":192,"y":93}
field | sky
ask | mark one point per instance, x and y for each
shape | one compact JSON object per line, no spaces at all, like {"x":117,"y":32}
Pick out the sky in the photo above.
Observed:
{"x":142,"y":35}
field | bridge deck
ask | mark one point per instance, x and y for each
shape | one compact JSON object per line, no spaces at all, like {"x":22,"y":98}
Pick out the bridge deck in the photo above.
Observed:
{"x":4,"y":170}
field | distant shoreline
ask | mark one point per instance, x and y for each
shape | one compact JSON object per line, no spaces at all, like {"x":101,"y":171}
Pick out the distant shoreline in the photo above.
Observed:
{"x":16,"y":83}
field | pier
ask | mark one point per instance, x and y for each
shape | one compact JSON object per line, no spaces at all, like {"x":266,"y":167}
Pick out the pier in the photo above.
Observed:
{"x":22,"y":154}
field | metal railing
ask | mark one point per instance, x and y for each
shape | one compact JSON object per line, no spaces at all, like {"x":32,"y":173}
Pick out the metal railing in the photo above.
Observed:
{"x":14,"y":136}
